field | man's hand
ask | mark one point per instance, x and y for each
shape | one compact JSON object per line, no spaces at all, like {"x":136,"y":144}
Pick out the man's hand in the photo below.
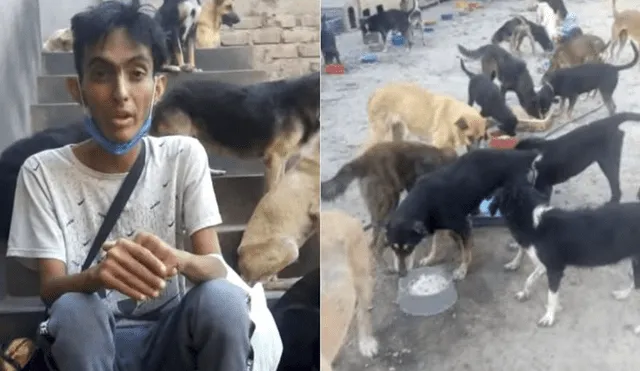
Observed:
{"x":166,"y":254}
{"x":133,"y":269}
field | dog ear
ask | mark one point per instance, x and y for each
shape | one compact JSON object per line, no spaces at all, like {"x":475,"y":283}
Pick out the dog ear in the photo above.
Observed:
{"x":419,"y":228}
{"x":462,"y":124}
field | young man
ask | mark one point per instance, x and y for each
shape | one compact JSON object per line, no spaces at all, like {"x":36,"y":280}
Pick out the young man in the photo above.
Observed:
{"x":131,"y":310}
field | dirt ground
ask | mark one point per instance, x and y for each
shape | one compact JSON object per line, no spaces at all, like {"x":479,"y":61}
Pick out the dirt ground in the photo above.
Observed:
{"x":488,"y":329}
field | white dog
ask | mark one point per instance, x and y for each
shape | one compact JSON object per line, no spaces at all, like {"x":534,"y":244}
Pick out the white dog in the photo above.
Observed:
{"x":547,"y":18}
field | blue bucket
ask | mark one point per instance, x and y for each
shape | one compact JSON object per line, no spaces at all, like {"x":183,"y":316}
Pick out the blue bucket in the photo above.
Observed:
{"x":397,"y":40}
{"x":369,"y":58}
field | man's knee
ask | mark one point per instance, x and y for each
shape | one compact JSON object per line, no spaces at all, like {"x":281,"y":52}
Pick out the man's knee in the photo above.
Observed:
{"x":221,"y":305}
{"x":78,"y":311}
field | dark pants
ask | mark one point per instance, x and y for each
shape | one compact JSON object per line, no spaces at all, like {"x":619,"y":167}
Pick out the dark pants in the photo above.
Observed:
{"x":209,"y":330}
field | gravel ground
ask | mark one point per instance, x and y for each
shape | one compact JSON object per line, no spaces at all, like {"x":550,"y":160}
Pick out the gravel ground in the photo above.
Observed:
{"x":488,"y":329}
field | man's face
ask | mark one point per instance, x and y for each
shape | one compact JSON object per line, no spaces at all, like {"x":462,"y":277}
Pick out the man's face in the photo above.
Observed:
{"x":118,"y":85}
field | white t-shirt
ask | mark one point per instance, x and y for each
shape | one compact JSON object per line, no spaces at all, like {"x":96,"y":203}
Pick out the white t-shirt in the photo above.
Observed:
{"x":60,"y":204}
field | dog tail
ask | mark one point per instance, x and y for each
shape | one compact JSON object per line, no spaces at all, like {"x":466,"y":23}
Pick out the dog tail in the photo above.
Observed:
{"x":469,"y":73}
{"x":626,"y":116}
{"x":636,"y":56}
{"x":473,"y":54}
{"x":614,"y":9}
{"x":336,"y":186}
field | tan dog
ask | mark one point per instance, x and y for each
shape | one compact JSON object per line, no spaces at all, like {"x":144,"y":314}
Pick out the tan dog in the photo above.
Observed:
{"x":346,"y":286}
{"x":60,"y":41}
{"x":17,"y":353}
{"x":283,"y":220}
{"x":581,"y":49}
{"x":626,"y":24}
{"x":398,"y":108}
{"x":215,"y":13}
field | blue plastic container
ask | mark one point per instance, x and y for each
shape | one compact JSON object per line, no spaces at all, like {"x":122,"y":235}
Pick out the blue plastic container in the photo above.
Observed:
{"x":369,"y":58}
{"x":397,"y":40}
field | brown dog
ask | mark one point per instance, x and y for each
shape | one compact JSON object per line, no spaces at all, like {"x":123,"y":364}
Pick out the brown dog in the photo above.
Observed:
{"x":60,"y":41}
{"x":581,"y":49}
{"x":398,"y":108}
{"x":346,"y":286}
{"x":384,"y":171}
{"x":626,"y":24}
{"x":17,"y":354}
{"x":283,"y":220}
{"x":215,"y":13}
{"x":270,"y":120}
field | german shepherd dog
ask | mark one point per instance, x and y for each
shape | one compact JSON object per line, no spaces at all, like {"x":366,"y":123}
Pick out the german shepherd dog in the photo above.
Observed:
{"x":214,"y":14}
{"x":444,"y":199}
{"x":270,"y":120}
{"x":178,"y":19}
{"x":512,"y":73}
{"x":384,"y":171}
{"x":516,"y":29}
{"x":555,"y":239}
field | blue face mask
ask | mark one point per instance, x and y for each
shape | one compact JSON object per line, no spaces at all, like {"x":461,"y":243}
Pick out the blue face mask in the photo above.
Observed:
{"x":116,"y":148}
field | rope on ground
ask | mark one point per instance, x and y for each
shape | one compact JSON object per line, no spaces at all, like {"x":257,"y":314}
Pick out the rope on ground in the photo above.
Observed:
{"x":561,"y":126}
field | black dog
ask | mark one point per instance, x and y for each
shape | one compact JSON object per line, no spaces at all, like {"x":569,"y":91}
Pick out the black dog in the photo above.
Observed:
{"x":555,"y":239}
{"x":328,"y":43}
{"x":387,"y":21}
{"x":443,"y":200}
{"x":568,"y":83}
{"x":483,"y":91}
{"x":506,"y":31}
{"x":558,"y":7}
{"x":178,"y":18}
{"x":297,"y":315}
{"x":512,"y":73}
{"x":17,"y":153}
{"x":567,"y":156}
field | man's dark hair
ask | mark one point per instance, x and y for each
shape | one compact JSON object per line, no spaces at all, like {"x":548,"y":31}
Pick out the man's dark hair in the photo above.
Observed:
{"x":91,"y":27}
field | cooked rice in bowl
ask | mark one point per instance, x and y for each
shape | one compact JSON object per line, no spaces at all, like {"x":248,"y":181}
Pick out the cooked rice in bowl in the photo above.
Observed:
{"x":428,"y":284}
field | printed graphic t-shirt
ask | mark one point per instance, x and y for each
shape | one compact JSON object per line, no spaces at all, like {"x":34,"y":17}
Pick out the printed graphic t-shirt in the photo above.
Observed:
{"x":60,"y":204}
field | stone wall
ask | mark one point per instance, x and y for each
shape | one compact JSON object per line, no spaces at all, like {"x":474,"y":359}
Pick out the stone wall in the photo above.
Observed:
{"x":285,"y":35}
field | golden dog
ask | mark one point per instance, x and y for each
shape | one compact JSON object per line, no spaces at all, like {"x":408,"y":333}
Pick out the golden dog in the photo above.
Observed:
{"x":626,"y":24}
{"x":17,"y":353}
{"x":283,"y":220}
{"x":398,"y":108}
{"x":346,"y":286}
{"x":215,"y":13}
{"x":60,"y":41}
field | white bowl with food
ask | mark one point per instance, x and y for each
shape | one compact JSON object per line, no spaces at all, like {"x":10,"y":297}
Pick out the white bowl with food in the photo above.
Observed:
{"x":426,"y":291}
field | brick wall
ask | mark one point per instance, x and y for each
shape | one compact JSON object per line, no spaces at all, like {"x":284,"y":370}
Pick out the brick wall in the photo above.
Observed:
{"x":285,"y":35}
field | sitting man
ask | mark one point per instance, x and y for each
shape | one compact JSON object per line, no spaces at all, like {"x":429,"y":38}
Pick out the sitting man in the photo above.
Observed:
{"x":150,"y":301}
{"x":569,"y":28}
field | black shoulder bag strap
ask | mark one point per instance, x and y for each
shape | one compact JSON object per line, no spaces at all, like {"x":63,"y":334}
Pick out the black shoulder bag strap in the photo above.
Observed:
{"x":120,"y":200}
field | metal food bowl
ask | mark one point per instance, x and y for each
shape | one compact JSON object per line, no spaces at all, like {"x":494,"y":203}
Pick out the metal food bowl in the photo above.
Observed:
{"x":427,"y":305}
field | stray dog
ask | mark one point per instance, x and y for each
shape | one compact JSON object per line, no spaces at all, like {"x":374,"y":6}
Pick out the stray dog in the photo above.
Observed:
{"x":415,"y":16}
{"x":512,"y":73}
{"x":555,"y":239}
{"x":60,"y":41}
{"x":547,"y":18}
{"x":384,"y":171}
{"x":579,"y":50}
{"x":328,"y":43}
{"x":16,"y":154}
{"x":483,"y":91}
{"x":444,"y":199}
{"x":558,"y":7}
{"x":17,"y":355}
{"x":214,"y":14}
{"x":178,"y":19}
{"x":626,"y":24}
{"x":300,"y":304}
{"x":516,"y":29}
{"x":346,"y":286}
{"x":278,"y":228}
{"x":401,"y":108}
{"x":570,"y":154}
{"x":269,"y":120}
{"x":387,"y":21}
{"x":569,"y":83}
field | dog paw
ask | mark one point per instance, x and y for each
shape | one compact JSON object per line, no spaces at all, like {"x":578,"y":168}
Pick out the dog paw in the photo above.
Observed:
{"x":460,"y":273}
{"x":217,"y":172}
{"x":513,"y":245}
{"x":169,"y":68}
{"x":188,"y":68}
{"x":512,"y":266}
{"x":547,"y":320}
{"x":368,"y":346}
{"x":522,"y":295}
{"x":425,"y":261}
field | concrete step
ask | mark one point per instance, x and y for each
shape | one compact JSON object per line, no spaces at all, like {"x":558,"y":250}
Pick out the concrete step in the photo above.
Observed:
{"x":23,"y":282}
{"x":218,"y":59}
{"x":53,"y":88}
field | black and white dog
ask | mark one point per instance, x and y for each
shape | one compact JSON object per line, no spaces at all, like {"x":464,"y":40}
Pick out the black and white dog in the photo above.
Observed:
{"x":179,"y":19}
{"x":402,"y":21}
{"x":555,"y":239}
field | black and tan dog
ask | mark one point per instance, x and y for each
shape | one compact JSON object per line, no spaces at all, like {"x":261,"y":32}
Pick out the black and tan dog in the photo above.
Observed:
{"x":444,"y":199}
{"x":512,"y":73}
{"x":178,"y":19}
{"x":270,"y":120}
{"x":516,"y":29}
{"x":384,"y":171}
{"x":214,"y":14}
{"x":390,"y":20}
